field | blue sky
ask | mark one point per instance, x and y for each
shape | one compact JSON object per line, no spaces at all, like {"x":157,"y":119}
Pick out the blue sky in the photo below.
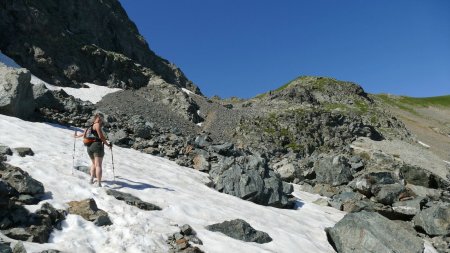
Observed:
{"x":242,"y":48}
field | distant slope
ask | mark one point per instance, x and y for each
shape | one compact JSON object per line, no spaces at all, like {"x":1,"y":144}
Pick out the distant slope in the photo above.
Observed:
{"x":428,"y":118}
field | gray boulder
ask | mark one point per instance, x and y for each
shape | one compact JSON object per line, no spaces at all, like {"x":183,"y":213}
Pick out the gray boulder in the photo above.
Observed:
{"x":334,"y":170}
{"x":369,"y":183}
{"x":201,"y":161}
{"x":5,"y":247}
{"x":409,"y":207}
{"x":340,"y":200}
{"x":88,"y":210}
{"x":5,"y":150}
{"x":286,"y":169}
{"x":240,"y":230}
{"x":249,"y":178}
{"x":132,"y":200}
{"x":434,"y":220}
{"x":21,"y":180}
{"x":389,"y":193}
{"x":19,"y":248}
{"x":16,"y":94}
{"x":371,"y":232}
{"x":44,"y":98}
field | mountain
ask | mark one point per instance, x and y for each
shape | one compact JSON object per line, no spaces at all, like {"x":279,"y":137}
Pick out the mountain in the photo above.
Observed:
{"x":70,"y":43}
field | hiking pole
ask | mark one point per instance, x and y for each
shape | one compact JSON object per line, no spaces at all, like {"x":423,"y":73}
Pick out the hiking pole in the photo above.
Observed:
{"x":112,"y":160}
{"x":73,"y":155}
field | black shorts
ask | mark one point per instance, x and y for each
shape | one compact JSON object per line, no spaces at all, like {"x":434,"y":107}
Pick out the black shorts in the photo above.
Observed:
{"x":96,"y":149}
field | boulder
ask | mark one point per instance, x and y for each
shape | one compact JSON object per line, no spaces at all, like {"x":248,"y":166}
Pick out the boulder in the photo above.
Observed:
{"x":371,"y":232}
{"x":338,"y":201}
{"x":132,"y":200}
{"x":389,"y":193}
{"x":370,"y":182}
{"x":19,"y":248}
{"x":16,"y":94}
{"x":5,"y":150}
{"x":249,"y":178}
{"x":434,"y":221}
{"x":44,"y":98}
{"x":240,"y":230}
{"x":24,"y":151}
{"x":201,"y":161}
{"x":88,"y":210}
{"x":286,"y":169}
{"x":225,"y":149}
{"x":409,"y":207}
{"x":422,"y":177}
{"x":5,"y":247}
{"x":334,"y":170}
{"x":181,"y":241}
{"x":21,"y":181}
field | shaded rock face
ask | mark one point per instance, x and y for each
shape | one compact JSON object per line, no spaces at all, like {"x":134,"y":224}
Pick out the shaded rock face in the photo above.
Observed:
{"x":371,"y":232}
{"x":240,"y":230}
{"x":16,"y":94}
{"x":22,"y":182}
{"x":132,"y":200}
{"x":88,"y":210}
{"x":67,"y":43}
{"x":334,"y":170}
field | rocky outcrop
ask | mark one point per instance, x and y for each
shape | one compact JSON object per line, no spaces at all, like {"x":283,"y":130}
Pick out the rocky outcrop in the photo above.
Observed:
{"x":371,"y":232}
{"x":89,"y":211}
{"x":28,"y":190}
{"x":24,"y":151}
{"x":240,"y":230}
{"x":132,"y":200}
{"x":16,"y":95}
{"x":71,"y":43}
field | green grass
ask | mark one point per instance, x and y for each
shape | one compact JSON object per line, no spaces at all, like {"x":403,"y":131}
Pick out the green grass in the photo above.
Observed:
{"x":441,"y":101}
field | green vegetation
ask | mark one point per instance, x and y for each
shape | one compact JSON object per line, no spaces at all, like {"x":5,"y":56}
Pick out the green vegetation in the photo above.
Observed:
{"x":395,"y":102}
{"x":403,"y":102}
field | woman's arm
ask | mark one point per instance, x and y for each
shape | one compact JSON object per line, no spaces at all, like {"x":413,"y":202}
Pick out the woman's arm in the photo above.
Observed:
{"x":75,"y":135}
{"x":98,"y":128}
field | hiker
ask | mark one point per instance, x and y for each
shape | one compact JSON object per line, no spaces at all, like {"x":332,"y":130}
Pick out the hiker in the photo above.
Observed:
{"x":94,"y":139}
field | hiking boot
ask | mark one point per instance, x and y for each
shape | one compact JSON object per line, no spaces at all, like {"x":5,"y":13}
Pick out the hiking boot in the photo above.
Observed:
{"x":99,"y":184}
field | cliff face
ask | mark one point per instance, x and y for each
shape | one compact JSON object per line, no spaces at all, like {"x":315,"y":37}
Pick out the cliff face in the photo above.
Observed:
{"x":71,"y":42}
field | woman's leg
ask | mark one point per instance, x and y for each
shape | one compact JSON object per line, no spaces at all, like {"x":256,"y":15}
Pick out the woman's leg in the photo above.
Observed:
{"x":98,"y":169}
{"x":92,"y":170}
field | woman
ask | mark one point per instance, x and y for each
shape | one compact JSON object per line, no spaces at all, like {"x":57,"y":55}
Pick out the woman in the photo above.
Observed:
{"x":94,"y":139}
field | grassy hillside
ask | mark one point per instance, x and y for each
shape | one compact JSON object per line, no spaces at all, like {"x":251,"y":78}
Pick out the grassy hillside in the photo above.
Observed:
{"x":402,"y":101}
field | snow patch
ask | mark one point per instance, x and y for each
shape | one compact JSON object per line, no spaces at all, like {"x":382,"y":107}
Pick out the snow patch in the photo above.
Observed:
{"x":187,"y":91}
{"x":423,"y":144}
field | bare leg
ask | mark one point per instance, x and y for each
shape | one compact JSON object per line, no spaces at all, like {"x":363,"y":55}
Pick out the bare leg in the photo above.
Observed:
{"x":92,"y":171}
{"x":98,"y":169}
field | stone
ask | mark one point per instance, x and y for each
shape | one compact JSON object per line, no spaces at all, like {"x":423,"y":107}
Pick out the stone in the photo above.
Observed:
{"x":434,"y":221}
{"x":389,"y":193}
{"x":23,"y":151}
{"x":132,"y":200}
{"x":89,"y":211}
{"x":286,"y":169}
{"x":187,"y":230}
{"x":201,"y":162}
{"x":16,"y":94}
{"x":371,"y":232}
{"x":202,"y":141}
{"x":21,"y":181}
{"x":240,"y":230}
{"x":5,"y":150}
{"x":409,"y":207}
{"x":84,"y":169}
{"x":368,"y":182}
{"x":333,"y":170}
{"x":321,"y":202}
{"x":225,"y":149}
{"x":420,"y":191}
{"x":340,"y":200}
{"x":44,"y":98}
{"x":4,"y":247}
{"x":19,"y":248}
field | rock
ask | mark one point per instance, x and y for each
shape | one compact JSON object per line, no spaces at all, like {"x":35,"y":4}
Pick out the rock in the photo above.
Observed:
{"x":441,"y":243}
{"x":180,"y":241}
{"x":434,"y":221}
{"x":187,"y":230}
{"x":16,"y":95}
{"x":225,"y":149}
{"x":84,"y":169}
{"x":88,"y":210}
{"x":19,"y":248}
{"x":132,"y":200}
{"x":249,"y":178}
{"x":21,"y":181}
{"x":44,"y":98}
{"x":420,"y":191}
{"x":371,"y":232}
{"x":22,"y":151}
{"x":334,"y":170}
{"x":409,"y":207}
{"x":389,"y":193}
{"x":240,"y":230}
{"x":340,"y":200}
{"x":51,"y":251}
{"x":286,"y":169}
{"x":367,"y":183}
{"x":202,"y":141}
{"x":4,"y":247}
{"x":5,"y":150}
{"x":201,"y":162}
{"x":321,"y":202}
{"x":419,"y":176}
{"x":119,"y":138}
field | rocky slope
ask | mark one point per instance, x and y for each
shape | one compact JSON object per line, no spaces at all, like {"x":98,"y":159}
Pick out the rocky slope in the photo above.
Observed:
{"x":69,"y":43}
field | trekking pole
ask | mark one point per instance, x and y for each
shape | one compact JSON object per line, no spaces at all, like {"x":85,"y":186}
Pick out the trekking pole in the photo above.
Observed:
{"x":73,"y":155}
{"x":112,"y":160}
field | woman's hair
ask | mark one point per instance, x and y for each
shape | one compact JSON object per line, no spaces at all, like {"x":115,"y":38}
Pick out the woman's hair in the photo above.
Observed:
{"x":97,"y":115}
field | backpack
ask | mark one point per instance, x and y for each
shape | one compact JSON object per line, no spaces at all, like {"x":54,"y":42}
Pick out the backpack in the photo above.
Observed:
{"x":89,"y":136}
